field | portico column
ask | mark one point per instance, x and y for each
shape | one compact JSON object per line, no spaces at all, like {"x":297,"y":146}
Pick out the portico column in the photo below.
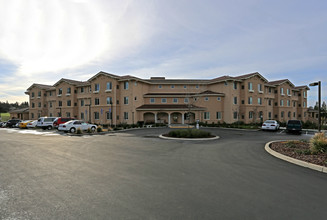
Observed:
{"x":169,"y":118}
{"x":155,"y":117}
{"x":183,"y":118}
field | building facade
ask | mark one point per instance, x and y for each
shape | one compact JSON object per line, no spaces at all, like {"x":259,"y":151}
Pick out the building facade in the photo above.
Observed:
{"x":110,"y":99}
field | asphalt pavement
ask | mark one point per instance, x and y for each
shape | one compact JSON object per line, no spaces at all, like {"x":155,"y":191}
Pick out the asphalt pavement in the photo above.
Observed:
{"x":136,"y":175}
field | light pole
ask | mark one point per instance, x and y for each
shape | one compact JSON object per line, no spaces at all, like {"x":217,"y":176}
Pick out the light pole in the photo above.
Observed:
{"x":319,"y":102}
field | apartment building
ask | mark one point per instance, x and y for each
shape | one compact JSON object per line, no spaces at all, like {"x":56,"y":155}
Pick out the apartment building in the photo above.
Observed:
{"x":110,"y":99}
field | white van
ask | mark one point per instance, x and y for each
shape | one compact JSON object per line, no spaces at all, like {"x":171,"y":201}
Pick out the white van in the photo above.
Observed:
{"x":45,"y":122}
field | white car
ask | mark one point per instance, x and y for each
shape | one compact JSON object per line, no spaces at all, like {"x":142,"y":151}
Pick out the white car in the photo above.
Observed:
{"x":32,"y":124}
{"x":270,"y":125}
{"x":73,"y":125}
{"x":45,"y":122}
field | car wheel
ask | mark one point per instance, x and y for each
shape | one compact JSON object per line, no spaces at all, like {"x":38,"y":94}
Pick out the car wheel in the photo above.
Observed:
{"x":93,"y":129}
{"x":72,"y":130}
{"x":49,"y":127}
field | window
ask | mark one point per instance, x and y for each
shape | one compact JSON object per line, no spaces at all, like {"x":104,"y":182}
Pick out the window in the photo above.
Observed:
{"x":206,"y":115}
{"x":269,"y":115}
{"x":288,"y":92}
{"x":250,"y":100}
{"x":125,"y":85}
{"x":206,"y":98}
{"x":69,"y":90}
{"x":260,"y":101}
{"x":82,"y":89}
{"x":33,"y":105}
{"x":218,"y":115}
{"x":109,"y":115}
{"x":289,"y":114}
{"x":282,"y":114}
{"x":226,"y":83}
{"x":304,"y":94}
{"x":159,"y":86}
{"x":125,"y":115}
{"x":218,"y":98}
{"x":242,"y":102}
{"x":60,"y":103}
{"x":32,"y":115}
{"x":32,"y":94}
{"x":269,"y":102}
{"x":269,"y":90}
{"x":50,"y":93}
{"x":39,"y":104}
{"x":281,"y":102}
{"x":163,"y":100}
{"x":69,"y":103}
{"x":96,"y":115}
{"x":82,"y":102}
{"x":185,"y":86}
{"x":82,"y":115}
{"x":109,"y":100}
{"x":96,"y":101}
{"x":259,"y":87}
{"x":282,"y":91}
{"x":288,"y":103}
{"x":135,"y":98}
{"x":96,"y":87}
{"x":235,"y":85}
{"x":67,"y":114}
{"x":235,"y":115}
{"x":250,"y":115}
{"x":59,"y":92}
{"x":235,"y":100}
{"x":250,"y":87}
{"x":197,"y":86}
{"x":109,"y":86}
{"x":50,"y":104}
{"x":304,"y":104}
{"x":152,"y":100}
{"x":294,"y":114}
{"x":39,"y":94}
{"x":172,"y":86}
{"x":126,"y":100}
{"x":185,"y":100}
{"x":175,"y":100}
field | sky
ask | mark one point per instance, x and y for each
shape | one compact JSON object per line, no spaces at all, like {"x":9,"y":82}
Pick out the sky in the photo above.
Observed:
{"x":42,"y":41}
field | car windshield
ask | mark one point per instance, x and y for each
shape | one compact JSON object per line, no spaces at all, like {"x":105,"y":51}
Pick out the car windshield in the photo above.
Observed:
{"x":294,"y":122}
{"x":269,"y":121}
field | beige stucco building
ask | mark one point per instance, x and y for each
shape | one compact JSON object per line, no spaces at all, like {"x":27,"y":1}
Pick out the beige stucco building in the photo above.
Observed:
{"x":110,"y":99}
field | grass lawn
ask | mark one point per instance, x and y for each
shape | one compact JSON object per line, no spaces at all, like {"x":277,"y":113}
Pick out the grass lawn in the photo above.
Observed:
{"x":5,"y":116}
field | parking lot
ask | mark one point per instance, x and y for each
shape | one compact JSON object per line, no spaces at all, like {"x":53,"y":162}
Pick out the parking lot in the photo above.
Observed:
{"x":136,"y":175}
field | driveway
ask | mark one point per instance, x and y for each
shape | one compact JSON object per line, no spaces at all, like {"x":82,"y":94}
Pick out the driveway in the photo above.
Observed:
{"x":136,"y":175}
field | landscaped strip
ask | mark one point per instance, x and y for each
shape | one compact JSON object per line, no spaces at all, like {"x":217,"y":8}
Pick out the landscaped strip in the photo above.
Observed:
{"x":293,"y":160}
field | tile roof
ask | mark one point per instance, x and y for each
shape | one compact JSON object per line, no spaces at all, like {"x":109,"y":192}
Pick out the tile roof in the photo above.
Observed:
{"x":72,"y":82}
{"x":168,"y":106}
{"x":41,"y":86}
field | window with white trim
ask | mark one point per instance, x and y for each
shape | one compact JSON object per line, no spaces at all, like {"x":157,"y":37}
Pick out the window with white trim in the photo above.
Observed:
{"x":152,"y":100}
{"x":175,"y":100}
{"x":218,"y":115}
{"x":163,"y":100}
{"x":206,"y":115}
{"x":126,"y":100}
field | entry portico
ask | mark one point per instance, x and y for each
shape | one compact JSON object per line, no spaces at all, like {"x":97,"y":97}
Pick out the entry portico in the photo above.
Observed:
{"x":170,"y":114}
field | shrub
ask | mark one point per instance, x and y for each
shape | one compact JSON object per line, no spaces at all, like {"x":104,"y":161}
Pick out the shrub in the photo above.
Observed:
{"x":89,"y":130}
{"x":99,"y":129}
{"x":291,"y":144}
{"x":79,"y":131}
{"x":318,"y":143}
{"x":189,"y":133}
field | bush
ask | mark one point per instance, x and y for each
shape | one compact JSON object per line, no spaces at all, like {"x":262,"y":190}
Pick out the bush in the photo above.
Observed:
{"x":291,"y":144}
{"x":318,"y":144}
{"x":89,"y":130}
{"x":79,"y":131}
{"x":99,"y":129}
{"x":189,"y":133}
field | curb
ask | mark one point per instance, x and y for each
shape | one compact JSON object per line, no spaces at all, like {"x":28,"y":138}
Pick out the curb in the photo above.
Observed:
{"x":189,"y":139}
{"x":293,"y":160}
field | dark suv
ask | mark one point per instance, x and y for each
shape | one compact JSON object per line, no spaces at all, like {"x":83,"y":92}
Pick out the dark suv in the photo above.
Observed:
{"x":294,"y":126}
{"x":11,"y":123}
{"x":60,"y":120}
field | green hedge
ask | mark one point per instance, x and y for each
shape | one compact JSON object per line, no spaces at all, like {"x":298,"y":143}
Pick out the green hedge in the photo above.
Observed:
{"x":189,"y":133}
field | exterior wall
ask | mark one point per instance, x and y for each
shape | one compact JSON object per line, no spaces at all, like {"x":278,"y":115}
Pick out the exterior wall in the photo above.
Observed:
{"x":65,"y":110}
{"x":38,"y":104}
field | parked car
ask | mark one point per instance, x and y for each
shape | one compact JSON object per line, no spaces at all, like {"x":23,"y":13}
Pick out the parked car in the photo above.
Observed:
{"x":32,"y":124}
{"x":294,"y":126}
{"x":12,"y":123}
{"x":23,"y":124}
{"x":3,"y":124}
{"x":270,"y":125}
{"x":45,"y":122}
{"x":73,"y":125}
{"x":61,"y":120}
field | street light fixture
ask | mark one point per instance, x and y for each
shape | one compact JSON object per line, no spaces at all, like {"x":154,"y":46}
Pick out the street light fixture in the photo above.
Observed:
{"x":319,"y":101}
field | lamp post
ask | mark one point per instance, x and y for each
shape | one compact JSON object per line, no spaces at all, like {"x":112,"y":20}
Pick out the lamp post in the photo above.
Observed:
{"x":319,"y":101}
